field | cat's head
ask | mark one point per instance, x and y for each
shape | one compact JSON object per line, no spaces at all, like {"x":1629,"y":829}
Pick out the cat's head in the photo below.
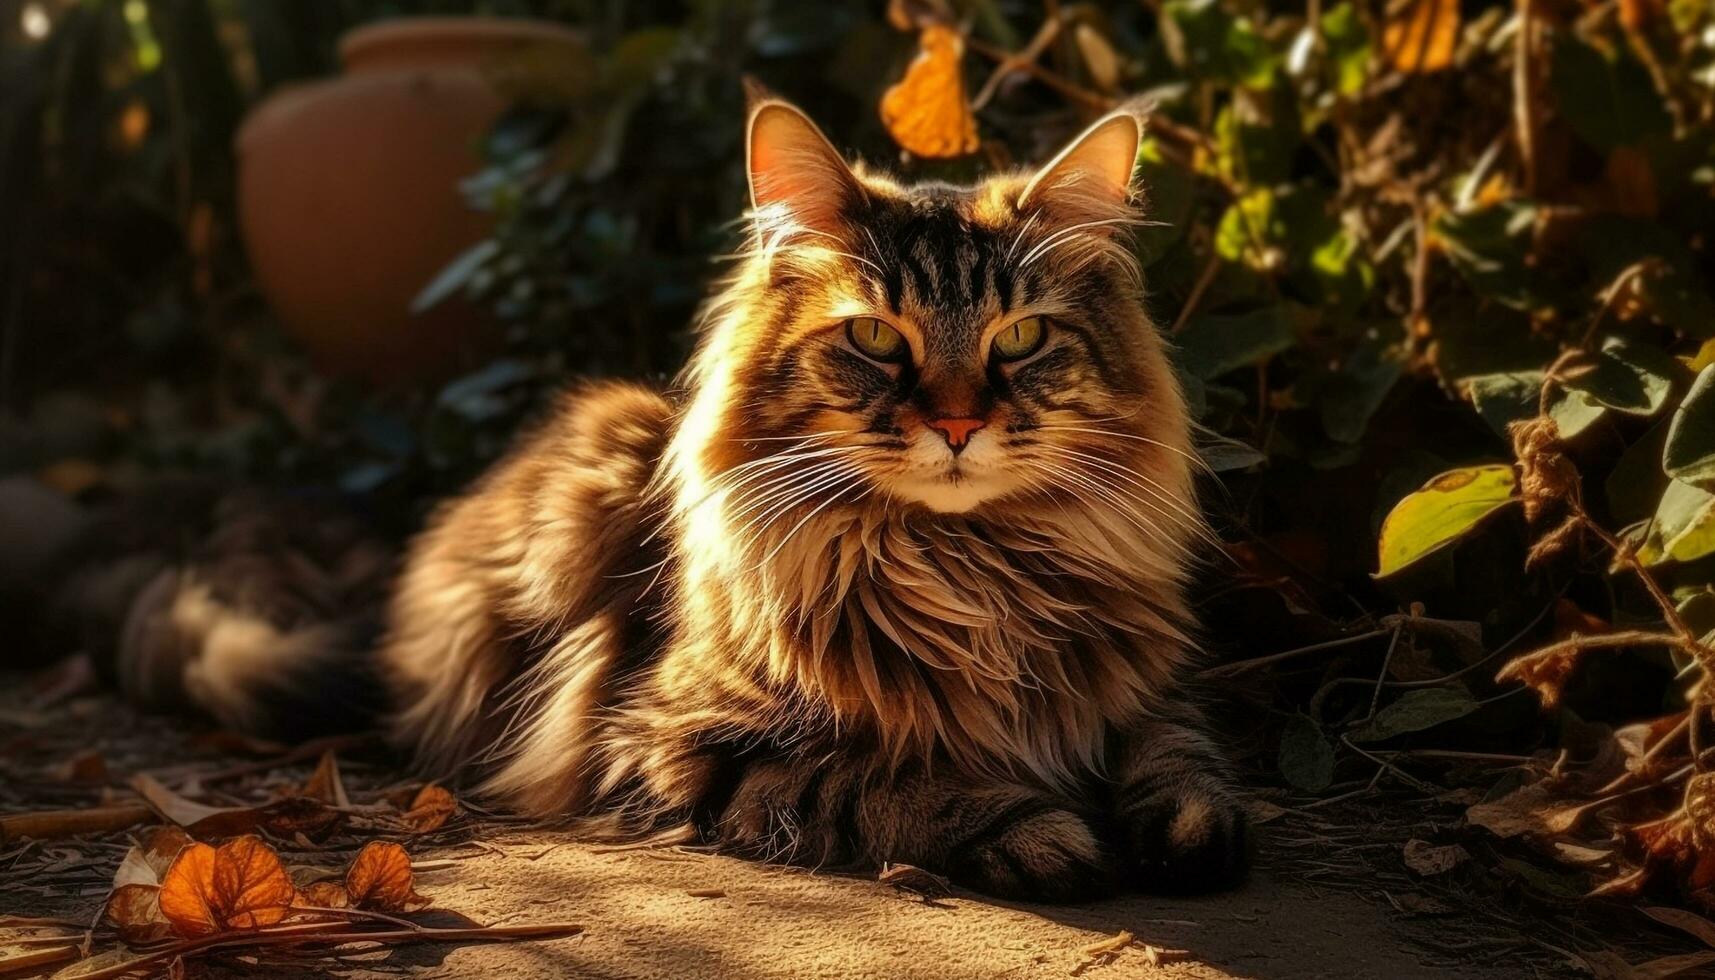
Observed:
{"x":936,"y":346}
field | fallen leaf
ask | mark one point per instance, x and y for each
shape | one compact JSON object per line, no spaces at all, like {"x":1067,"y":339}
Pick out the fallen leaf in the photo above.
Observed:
{"x":187,"y":891}
{"x":927,"y":112}
{"x":910,"y":878}
{"x":1529,"y":809}
{"x":325,"y":783}
{"x":380,"y":877}
{"x":135,"y":912}
{"x":1684,"y":921}
{"x":240,"y":885}
{"x":85,"y":767}
{"x":432,"y":807}
{"x":134,"y":906}
{"x":1669,"y":966}
{"x":1428,"y":859}
{"x":251,"y":884}
{"x":295,"y":814}
{"x":328,"y":894}
{"x":1421,"y":36}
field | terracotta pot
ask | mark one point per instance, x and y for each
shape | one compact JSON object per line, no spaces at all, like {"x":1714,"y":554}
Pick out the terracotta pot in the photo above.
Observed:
{"x":348,"y":193}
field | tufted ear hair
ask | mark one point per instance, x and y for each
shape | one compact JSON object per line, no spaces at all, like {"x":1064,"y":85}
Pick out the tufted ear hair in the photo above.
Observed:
{"x":1090,"y":180}
{"x":795,"y":173}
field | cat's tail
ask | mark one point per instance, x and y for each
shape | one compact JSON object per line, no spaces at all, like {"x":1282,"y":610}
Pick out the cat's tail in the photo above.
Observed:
{"x":258,"y":610}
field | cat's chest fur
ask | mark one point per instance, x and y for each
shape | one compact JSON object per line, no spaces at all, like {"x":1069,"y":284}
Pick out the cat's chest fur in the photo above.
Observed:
{"x":1010,"y":645}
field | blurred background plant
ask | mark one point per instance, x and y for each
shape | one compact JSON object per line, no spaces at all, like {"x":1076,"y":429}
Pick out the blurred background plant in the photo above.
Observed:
{"x":1394,"y":241}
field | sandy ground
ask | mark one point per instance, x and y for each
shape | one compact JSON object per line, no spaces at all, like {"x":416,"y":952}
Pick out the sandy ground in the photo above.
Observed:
{"x":676,"y":913}
{"x":643,"y":921}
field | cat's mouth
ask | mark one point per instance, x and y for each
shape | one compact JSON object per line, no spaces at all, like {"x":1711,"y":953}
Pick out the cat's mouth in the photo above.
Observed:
{"x":953,"y":484}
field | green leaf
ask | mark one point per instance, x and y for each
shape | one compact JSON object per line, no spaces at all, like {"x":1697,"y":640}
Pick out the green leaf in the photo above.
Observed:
{"x":1698,"y":611}
{"x":1249,"y":231}
{"x":1490,"y":248}
{"x":1636,"y":483}
{"x":1256,"y":138}
{"x":1684,"y":528}
{"x":1208,"y":42}
{"x":1415,"y":712}
{"x":1347,"y":43}
{"x":1509,"y":396}
{"x":1632,"y":378}
{"x":1608,"y":101}
{"x":1306,"y":758}
{"x":456,"y":275}
{"x":1225,"y":455}
{"x":1443,"y":511}
{"x":1689,"y":455}
{"x":1353,"y":393}
{"x":1211,"y":344}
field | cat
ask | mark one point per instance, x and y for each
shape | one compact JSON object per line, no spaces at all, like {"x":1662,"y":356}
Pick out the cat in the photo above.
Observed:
{"x":900,"y":577}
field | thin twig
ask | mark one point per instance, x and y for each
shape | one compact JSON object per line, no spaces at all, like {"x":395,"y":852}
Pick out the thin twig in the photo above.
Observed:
{"x":1242,"y":666}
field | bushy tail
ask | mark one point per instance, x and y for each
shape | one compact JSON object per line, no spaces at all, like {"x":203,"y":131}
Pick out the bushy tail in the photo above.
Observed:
{"x":258,"y":610}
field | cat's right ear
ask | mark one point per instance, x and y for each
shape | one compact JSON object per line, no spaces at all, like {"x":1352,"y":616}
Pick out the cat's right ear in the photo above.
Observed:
{"x":795,"y":173}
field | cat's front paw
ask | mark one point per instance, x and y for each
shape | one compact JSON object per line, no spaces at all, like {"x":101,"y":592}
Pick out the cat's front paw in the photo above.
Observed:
{"x":1187,"y":838}
{"x":1040,"y":855}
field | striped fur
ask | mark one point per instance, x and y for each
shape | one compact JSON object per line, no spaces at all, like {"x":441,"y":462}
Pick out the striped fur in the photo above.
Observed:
{"x":780,"y":609}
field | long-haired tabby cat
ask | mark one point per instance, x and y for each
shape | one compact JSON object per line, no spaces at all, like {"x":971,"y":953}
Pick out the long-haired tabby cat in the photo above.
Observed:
{"x":899,"y":578}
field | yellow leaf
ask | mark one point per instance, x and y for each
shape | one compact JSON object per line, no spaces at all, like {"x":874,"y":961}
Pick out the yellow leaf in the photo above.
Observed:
{"x":1443,"y":511}
{"x":927,"y":111}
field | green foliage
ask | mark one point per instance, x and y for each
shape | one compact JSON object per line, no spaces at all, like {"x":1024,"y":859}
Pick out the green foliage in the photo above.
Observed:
{"x":1446,"y":509}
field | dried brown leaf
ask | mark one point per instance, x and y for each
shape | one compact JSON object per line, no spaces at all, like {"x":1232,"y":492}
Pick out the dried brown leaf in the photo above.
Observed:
{"x":285,"y":817}
{"x":1689,"y":922}
{"x":85,"y":767}
{"x":135,"y":912}
{"x":1533,"y":809}
{"x":328,"y":894}
{"x":432,"y":807}
{"x":1428,"y":859}
{"x":325,"y":783}
{"x":1545,"y":670}
{"x":380,"y":878}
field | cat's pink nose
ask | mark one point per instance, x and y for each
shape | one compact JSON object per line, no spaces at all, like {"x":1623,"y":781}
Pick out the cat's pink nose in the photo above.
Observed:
{"x":956,"y":431}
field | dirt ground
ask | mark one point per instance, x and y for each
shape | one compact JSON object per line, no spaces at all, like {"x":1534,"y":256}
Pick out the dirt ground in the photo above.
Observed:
{"x":666,"y":912}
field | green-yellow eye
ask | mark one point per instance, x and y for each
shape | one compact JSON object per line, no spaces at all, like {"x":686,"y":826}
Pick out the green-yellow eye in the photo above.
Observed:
{"x":1020,"y":340}
{"x":875,"y":339}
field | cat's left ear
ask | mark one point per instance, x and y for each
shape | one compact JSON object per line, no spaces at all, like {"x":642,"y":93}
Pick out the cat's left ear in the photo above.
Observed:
{"x":1091,"y":178}
{"x":794,"y":168}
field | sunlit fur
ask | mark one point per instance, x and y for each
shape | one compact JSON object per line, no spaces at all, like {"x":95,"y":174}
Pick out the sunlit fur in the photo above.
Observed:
{"x":781,"y":609}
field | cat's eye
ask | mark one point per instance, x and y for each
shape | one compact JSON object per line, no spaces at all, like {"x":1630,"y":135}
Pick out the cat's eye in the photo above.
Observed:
{"x":875,"y":339}
{"x":1020,"y":340}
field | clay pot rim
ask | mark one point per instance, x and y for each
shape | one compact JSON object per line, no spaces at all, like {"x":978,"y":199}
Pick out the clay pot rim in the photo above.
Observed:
{"x":362,"y":41}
